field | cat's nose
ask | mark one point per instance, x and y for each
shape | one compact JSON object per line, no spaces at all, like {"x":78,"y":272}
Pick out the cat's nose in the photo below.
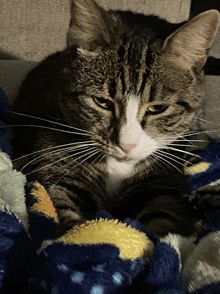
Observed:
{"x":127,"y":147}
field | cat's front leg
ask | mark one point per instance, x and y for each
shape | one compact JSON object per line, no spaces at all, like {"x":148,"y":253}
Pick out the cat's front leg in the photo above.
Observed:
{"x":71,"y":208}
{"x":169,"y":214}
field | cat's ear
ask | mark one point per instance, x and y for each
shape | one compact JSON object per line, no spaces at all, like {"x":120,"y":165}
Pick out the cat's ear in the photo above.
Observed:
{"x":91,"y":27}
{"x":189,"y":45}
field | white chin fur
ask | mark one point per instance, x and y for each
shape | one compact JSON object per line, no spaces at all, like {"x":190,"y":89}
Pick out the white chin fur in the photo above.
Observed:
{"x":118,"y":171}
{"x":121,"y":164}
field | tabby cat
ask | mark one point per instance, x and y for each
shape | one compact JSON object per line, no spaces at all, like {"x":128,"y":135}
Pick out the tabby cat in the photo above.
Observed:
{"x":102,"y":115}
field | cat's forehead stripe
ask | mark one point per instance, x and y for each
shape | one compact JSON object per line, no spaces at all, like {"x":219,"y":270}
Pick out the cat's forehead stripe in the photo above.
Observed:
{"x":133,"y":71}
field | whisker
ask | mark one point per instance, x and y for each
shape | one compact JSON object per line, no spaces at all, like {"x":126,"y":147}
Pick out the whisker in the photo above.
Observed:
{"x":170,"y":155}
{"x":188,"y":134}
{"x":182,"y":145}
{"x":90,"y":155}
{"x":61,"y":159}
{"x":53,"y":147}
{"x":181,"y":138}
{"x":101,"y":156}
{"x":158,"y":159}
{"x":206,"y":121}
{"x":82,"y":146}
{"x":179,"y":145}
{"x":48,"y":128}
{"x":161,"y":156}
{"x":50,"y":121}
{"x":104,"y":155}
{"x":194,"y":140}
{"x":151,"y":158}
{"x":93,"y":153}
{"x":182,"y":151}
{"x":175,"y":140}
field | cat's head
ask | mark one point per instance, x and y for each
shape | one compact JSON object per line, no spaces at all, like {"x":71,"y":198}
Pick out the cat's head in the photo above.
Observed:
{"x":136,"y":93}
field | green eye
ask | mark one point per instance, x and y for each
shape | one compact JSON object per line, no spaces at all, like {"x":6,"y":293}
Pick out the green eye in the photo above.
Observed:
{"x":103,"y":103}
{"x":157,"y":108}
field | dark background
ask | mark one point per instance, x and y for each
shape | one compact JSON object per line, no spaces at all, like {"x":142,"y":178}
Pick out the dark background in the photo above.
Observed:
{"x":198,"y":6}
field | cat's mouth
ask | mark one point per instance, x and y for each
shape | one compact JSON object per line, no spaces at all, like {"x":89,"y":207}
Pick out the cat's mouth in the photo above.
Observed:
{"x":125,"y":158}
{"x":121,"y":156}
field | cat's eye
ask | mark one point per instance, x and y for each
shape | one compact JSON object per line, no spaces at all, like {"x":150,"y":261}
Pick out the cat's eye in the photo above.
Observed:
{"x":104,"y":103}
{"x":157,"y":108}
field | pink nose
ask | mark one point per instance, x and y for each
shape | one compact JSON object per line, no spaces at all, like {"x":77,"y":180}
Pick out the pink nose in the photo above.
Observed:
{"x":128,"y":147}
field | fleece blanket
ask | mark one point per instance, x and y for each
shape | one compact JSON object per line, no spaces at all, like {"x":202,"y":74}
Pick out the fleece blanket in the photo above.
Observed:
{"x":103,"y":256}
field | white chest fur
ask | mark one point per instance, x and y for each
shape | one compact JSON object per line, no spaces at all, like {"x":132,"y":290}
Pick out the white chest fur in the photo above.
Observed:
{"x":118,"y":171}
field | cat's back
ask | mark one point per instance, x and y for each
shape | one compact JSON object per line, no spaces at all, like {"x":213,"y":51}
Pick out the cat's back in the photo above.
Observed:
{"x":148,"y":26}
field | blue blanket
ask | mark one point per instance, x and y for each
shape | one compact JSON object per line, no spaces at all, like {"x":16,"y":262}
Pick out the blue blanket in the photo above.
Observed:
{"x":178,"y":264}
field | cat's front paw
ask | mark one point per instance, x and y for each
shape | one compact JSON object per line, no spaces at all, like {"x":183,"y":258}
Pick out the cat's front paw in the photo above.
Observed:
{"x":68,"y":218}
{"x":168,"y":214}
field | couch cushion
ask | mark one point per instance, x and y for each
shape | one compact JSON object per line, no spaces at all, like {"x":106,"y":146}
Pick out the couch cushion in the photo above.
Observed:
{"x":30,"y":30}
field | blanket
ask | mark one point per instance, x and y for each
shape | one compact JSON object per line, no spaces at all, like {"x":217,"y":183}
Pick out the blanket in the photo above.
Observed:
{"x":130,"y":259}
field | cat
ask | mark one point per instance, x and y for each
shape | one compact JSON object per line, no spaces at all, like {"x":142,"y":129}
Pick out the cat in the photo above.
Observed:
{"x":102,"y":114}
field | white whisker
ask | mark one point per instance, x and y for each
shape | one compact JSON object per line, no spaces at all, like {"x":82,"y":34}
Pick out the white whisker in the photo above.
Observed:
{"x":64,"y":158}
{"x":181,"y":138}
{"x":93,"y":153}
{"x":53,"y":147}
{"x":160,"y":159}
{"x":82,"y":146}
{"x":151,"y":158}
{"x":104,"y":155}
{"x":99,"y":158}
{"x":172,"y":156}
{"x":48,"y":128}
{"x":89,"y":155}
{"x":206,"y":121}
{"x":175,"y":143}
{"x":175,"y":140}
{"x":50,"y":121}
{"x":161,"y":156}
{"x":167,"y":155}
{"x":199,"y":133}
{"x":182,"y":151}
{"x":194,"y":140}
